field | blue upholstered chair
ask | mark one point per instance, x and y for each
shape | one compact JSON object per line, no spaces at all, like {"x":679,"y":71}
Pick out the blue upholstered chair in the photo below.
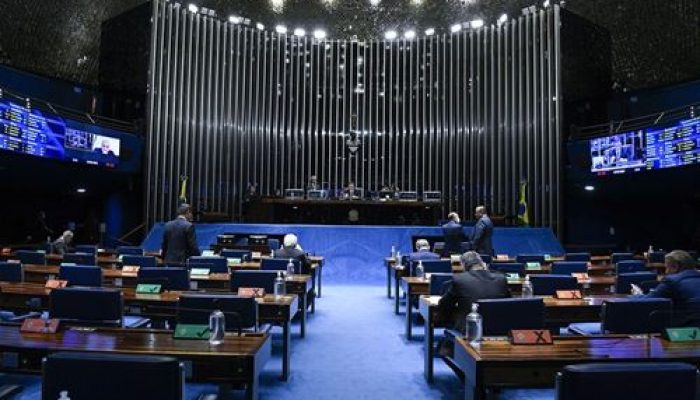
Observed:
{"x":11,"y":272}
{"x":253,"y":279}
{"x":81,"y":275}
{"x":625,"y":281}
{"x":638,"y":381}
{"x":129,"y":251}
{"x":170,"y":278}
{"x":216,"y":265}
{"x":530,"y":258}
{"x":547,"y":285}
{"x":279,"y":264}
{"x":80,"y":258}
{"x":240,"y":312}
{"x":274,"y":244}
{"x":86,"y":248}
{"x":243,"y":255}
{"x":657,"y":257}
{"x":433,"y":266}
{"x":508,"y":268}
{"x":569,"y":267}
{"x":629,"y":316}
{"x":92,"y":376}
{"x":502,"y":315}
{"x":438,"y":247}
{"x":440,"y":283}
{"x":31,"y":257}
{"x":627,"y":266}
{"x":617,"y":257}
{"x":139,"y":261}
{"x":585,"y":257}
{"x":91,"y":306}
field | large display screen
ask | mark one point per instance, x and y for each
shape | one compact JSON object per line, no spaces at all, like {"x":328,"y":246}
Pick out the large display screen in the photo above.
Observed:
{"x":651,"y":148}
{"x":35,"y":132}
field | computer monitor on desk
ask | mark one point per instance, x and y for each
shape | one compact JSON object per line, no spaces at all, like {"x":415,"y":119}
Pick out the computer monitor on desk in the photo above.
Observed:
{"x":317,"y":194}
{"x":408,"y":196}
{"x":294,"y":193}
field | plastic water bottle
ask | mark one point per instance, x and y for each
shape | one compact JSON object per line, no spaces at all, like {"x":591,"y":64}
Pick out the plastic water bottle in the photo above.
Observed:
{"x":420,"y":271}
{"x":290,"y":267}
{"x":280,"y":288}
{"x":393,"y":251}
{"x":217,"y":327}
{"x":63,"y":395}
{"x":474,"y":325}
{"x":398,"y":257}
{"x":527,"y":287}
{"x":272,"y":253}
{"x":651,"y":250}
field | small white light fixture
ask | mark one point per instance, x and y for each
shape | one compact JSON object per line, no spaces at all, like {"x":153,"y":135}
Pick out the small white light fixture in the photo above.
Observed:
{"x":589,"y":188}
{"x":260,"y":26}
{"x":234,"y":19}
{"x":374,"y":2}
{"x":409,"y":34}
{"x":299,"y":32}
{"x":477,"y":23}
{"x":192,"y":8}
{"x":502,"y":19}
{"x":319,"y":34}
{"x":81,"y":190}
{"x":430,"y":32}
{"x":545,"y":4}
{"x":390,"y":35}
{"x":456,"y":28}
{"x":281,"y":29}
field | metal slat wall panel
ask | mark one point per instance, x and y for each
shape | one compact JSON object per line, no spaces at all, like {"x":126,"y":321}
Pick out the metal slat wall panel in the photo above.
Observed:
{"x":468,"y":114}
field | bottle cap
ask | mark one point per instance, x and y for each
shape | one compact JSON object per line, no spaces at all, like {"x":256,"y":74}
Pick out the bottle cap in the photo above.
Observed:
{"x":475,"y":307}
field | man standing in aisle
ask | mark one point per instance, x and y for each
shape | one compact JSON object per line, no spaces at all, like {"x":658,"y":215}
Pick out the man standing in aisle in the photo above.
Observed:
{"x":480,"y":239}
{"x":179,"y":238}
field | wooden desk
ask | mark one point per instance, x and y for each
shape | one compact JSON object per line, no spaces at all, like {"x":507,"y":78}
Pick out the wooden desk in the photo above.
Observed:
{"x":239,"y":360}
{"x":271,"y":310}
{"x":498,"y":363}
{"x":557,"y":312}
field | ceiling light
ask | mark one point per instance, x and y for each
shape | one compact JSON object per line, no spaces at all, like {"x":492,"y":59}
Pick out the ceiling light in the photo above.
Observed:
{"x":320,"y":34}
{"x":410,"y":34}
{"x":477,"y":23}
{"x":234,"y":19}
{"x":546,"y":4}
{"x":281,"y":29}
{"x":193,"y":8}
{"x":390,"y":35}
{"x":81,"y":190}
{"x":589,"y":188}
{"x":260,"y":26}
{"x":456,"y":28}
{"x":430,"y":31}
{"x":374,"y":2}
{"x":299,"y":32}
{"x":502,"y":19}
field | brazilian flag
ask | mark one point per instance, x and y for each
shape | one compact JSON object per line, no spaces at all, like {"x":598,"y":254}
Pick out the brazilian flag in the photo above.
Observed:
{"x":523,"y":218}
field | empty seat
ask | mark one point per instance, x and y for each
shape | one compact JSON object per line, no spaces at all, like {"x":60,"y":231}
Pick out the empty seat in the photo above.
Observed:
{"x":440,"y":283}
{"x":657,"y":257}
{"x":625,"y":281}
{"x":638,"y":381}
{"x":81,"y":275}
{"x":432,"y":266}
{"x":253,"y":279}
{"x":629,"y":316}
{"x":31,"y":257}
{"x":112,"y":376}
{"x":170,"y":278}
{"x":130,"y":251}
{"x":617,"y":257}
{"x":547,"y":285}
{"x":585,"y":257}
{"x":139,"y":261}
{"x":240,"y":312}
{"x":502,"y":315}
{"x":508,"y":268}
{"x":80,"y":258}
{"x":279,"y":264}
{"x":627,"y":266}
{"x":11,"y":272}
{"x":86,"y":248}
{"x":274,"y":244}
{"x":217,"y":265}
{"x":243,"y":255}
{"x":87,"y":305}
{"x":569,"y":267}
{"x":530,"y":258}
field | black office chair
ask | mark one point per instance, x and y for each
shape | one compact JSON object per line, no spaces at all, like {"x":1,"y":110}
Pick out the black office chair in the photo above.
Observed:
{"x":31,"y":257}
{"x":617,"y":257}
{"x":628,"y":316}
{"x":241,"y":313}
{"x":440,"y":283}
{"x":432,"y":266}
{"x":508,"y":268}
{"x":569,"y":267}
{"x":130,"y":251}
{"x":86,"y":248}
{"x":499,"y":316}
{"x":279,"y":264}
{"x":170,"y":278}
{"x":530,"y":258}
{"x":253,"y":279}
{"x":108,"y":376}
{"x":547,"y":285}
{"x":627,"y":266}
{"x":11,"y":272}
{"x":638,"y":381}
{"x":81,"y":275}
{"x":581,"y":257}
{"x":624,"y":282}
{"x":243,"y":255}
{"x":80,"y":259}
{"x":657,"y":257}
{"x":216,"y":265}
{"x":91,"y":306}
{"x":139,"y":261}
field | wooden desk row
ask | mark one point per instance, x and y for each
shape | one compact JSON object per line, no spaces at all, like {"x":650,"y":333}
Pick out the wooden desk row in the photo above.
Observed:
{"x":271,"y":310}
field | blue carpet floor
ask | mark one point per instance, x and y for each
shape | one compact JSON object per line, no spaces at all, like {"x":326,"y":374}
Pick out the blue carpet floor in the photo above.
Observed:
{"x":354,"y":349}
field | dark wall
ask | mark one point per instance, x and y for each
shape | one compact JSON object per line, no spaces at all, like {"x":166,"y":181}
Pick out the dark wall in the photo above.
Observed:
{"x":654,"y":43}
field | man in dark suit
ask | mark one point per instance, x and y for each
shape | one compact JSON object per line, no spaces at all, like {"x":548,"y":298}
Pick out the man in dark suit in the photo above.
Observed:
{"x":682,"y":286}
{"x":422,"y":252}
{"x":291,"y":249}
{"x":453,"y":234}
{"x":179,"y":238}
{"x":480,"y":240}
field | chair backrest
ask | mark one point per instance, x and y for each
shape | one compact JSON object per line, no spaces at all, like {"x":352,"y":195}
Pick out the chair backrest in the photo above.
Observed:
{"x":547,"y":285}
{"x":171,"y":278}
{"x":31,"y":257}
{"x":273,"y":243}
{"x":279,"y":264}
{"x":624,"y":282}
{"x":130,"y":251}
{"x":502,"y":315}
{"x":438,"y":247}
{"x":440,"y":283}
{"x":94,"y":306}
{"x":577,"y":257}
{"x":80,"y":258}
{"x":617,"y":257}
{"x":139,"y":261}
{"x":487,"y":258}
{"x":433,"y":266}
{"x":657,"y":256}
{"x":217,"y":265}
{"x":508,"y":268}
{"x":86,"y":248}
{"x":81,"y":275}
{"x":244,"y":255}
{"x":11,"y":272}
{"x":569,"y":267}
{"x":240,"y":312}
{"x":627,"y":266}
{"x":254,"y":279}
{"x":92,"y":376}
{"x":638,"y":381}
{"x":526,"y":258}
{"x":635,"y":315}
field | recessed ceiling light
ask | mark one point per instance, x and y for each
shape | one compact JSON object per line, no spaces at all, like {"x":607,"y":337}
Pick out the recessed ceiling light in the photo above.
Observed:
{"x":477,"y":23}
{"x":589,"y":188}
{"x":299,"y":32}
{"x":260,"y":26}
{"x":456,"y":28}
{"x":430,"y":31}
{"x":320,"y":34}
{"x":234,"y":19}
{"x":81,"y":190}
{"x":281,"y":29}
{"x":193,"y":8}
{"x":390,"y":35}
{"x":410,"y":34}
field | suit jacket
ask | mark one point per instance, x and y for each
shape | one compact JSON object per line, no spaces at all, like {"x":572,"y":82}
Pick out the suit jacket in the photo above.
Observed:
{"x":423,"y":255}
{"x":295,"y":254}
{"x":454,"y":235}
{"x":60,"y":246}
{"x":683,"y":289}
{"x":179,"y":241}
{"x":468,"y":287}
{"x":480,"y":239}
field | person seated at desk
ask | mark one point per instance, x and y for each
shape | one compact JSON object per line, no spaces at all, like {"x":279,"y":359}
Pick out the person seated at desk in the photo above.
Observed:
{"x":453,"y":234}
{"x":682,"y":286}
{"x":350,"y":192}
{"x":63,"y":244}
{"x":291,"y":249}
{"x":179,"y":238}
{"x":313,"y":183}
{"x":422,"y":252}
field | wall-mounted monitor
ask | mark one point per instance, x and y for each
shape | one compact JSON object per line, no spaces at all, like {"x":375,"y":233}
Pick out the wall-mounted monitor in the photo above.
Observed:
{"x":618,"y":153}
